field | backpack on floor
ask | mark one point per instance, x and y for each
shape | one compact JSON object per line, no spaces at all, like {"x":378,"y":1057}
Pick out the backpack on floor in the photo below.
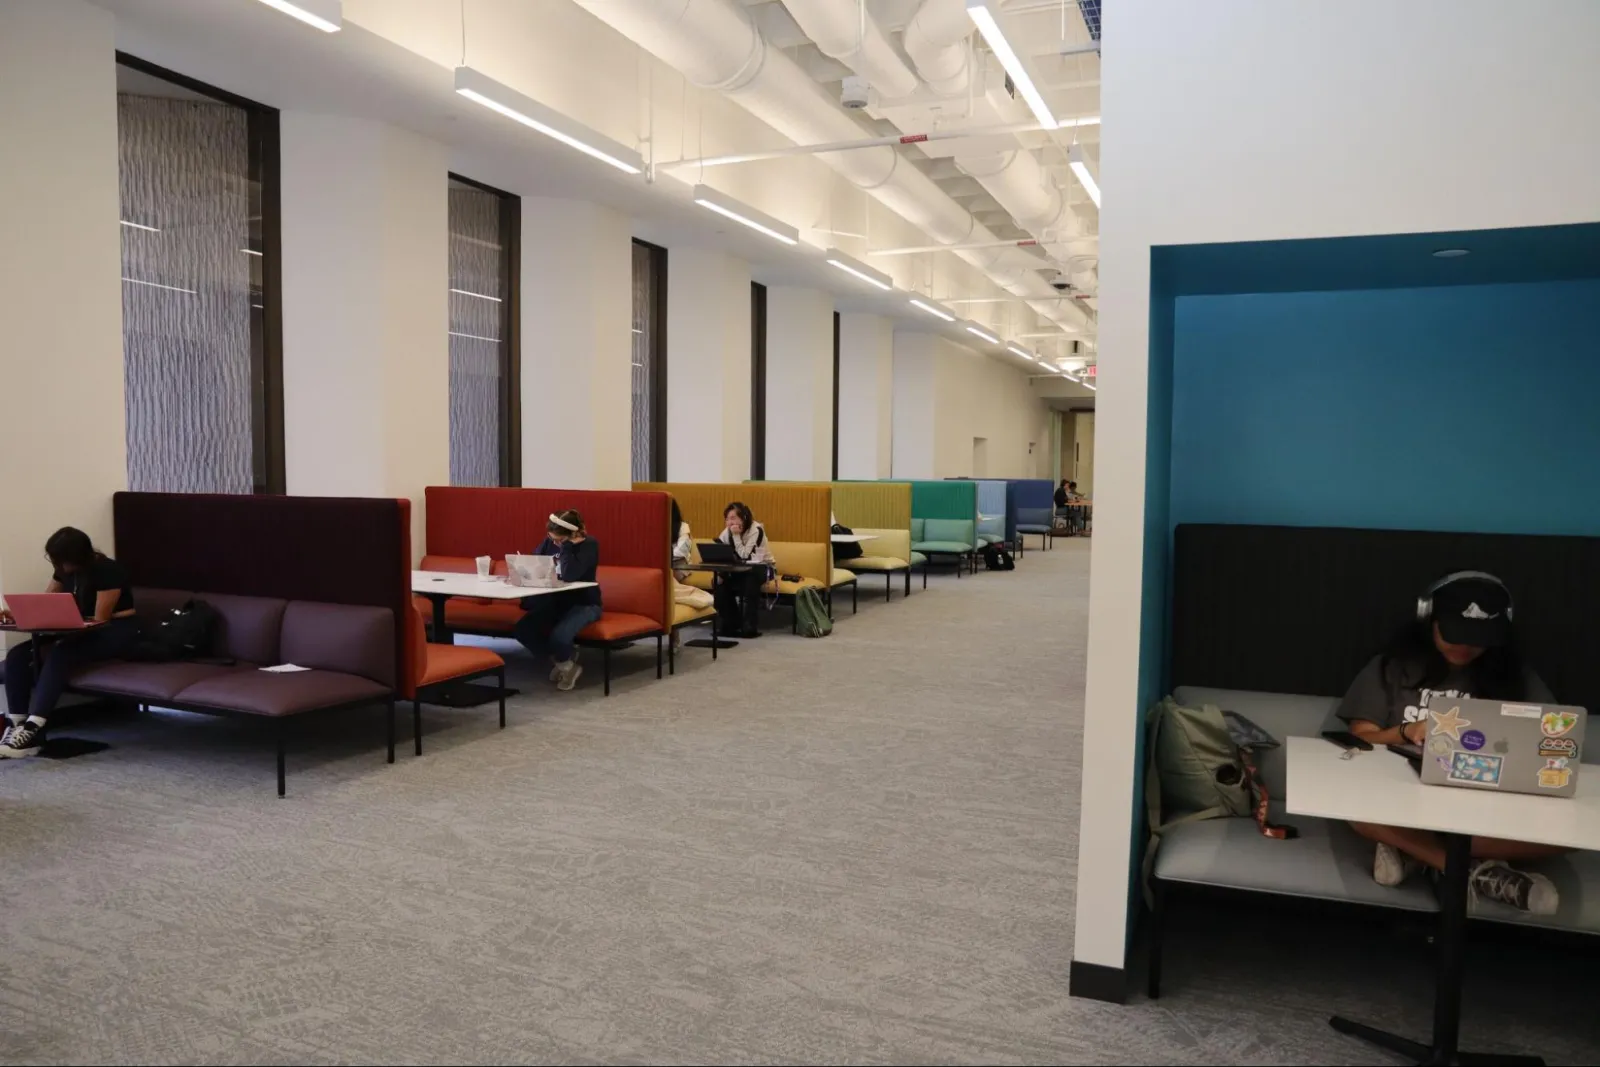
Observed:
{"x":1200,"y":764}
{"x":811,"y":614}
{"x":996,"y":558}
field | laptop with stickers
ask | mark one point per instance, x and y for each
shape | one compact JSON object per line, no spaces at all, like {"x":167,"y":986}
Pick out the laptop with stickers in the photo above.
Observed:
{"x":1515,"y":748}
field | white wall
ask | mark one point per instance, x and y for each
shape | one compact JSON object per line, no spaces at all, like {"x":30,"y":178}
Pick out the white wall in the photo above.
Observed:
{"x":799,"y":383}
{"x":914,"y":430}
{"x":366,"y":354}
{"x":866,"y":402}
{"x":1341,"y":117}
{"x":977,"y":397}
{"x":708,"y":366}
{"x":577,"y":345}
{"x":64,"y":448}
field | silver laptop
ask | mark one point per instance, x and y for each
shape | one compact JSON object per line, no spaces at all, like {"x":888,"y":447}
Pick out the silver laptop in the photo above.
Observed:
{"x":1515,"y":748}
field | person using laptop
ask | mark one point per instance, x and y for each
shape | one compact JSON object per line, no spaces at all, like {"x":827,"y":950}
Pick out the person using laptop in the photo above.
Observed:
{"x":101,"y":587}
{"x":738,"y":595}
{"x":551,"y":621}
{"x":1462,"y":644}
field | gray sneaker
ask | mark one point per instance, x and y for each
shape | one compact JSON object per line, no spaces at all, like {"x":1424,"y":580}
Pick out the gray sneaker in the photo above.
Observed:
{"x":569,"y":673}
{"x":1504,"y":884}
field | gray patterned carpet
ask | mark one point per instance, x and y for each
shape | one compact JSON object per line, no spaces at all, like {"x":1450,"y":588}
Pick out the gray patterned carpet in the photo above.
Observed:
{"x":852,"y":850}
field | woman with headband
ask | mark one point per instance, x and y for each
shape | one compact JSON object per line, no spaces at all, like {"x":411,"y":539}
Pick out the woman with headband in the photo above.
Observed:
{"x":552,"y":621}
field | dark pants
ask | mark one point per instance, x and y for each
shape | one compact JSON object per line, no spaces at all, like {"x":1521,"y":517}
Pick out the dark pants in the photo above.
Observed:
{"x":738,"y":599}
{"x":28,"y":695}
{"x":552,"y":624}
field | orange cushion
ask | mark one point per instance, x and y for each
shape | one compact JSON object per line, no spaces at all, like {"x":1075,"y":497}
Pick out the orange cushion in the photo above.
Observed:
{"x":493,"y":616}
{"x":633,"y":591}
{"x":616,"y":625}
{"x":453,"y":661}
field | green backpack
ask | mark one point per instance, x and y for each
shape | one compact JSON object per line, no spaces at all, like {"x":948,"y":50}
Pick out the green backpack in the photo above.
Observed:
{"x":1200,"y":764}
{"x":811,"y":614}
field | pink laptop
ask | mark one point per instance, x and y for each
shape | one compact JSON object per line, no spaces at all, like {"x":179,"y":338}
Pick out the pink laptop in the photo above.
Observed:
{"x":45,"y":611}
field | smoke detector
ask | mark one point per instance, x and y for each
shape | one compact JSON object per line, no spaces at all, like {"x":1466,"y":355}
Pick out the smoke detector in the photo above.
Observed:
{"x":853,"y":92}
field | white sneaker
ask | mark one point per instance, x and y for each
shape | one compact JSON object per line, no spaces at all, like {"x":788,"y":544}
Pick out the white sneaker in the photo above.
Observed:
{"x":569,"y":673}
{"x":1504,"y":884}
{"x":1391,"y":867}
{"x":555,"y":671}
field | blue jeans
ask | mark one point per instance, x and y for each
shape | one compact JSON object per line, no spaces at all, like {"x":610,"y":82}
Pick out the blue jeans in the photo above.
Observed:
{"x":30,"y":695}
{"x":551,"y":626}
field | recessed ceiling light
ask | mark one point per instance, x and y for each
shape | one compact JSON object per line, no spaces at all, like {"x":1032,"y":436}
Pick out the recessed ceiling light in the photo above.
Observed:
{"x":1452,"y":253}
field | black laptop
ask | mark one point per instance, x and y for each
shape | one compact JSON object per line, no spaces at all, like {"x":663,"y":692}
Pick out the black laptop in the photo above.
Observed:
{"x":717,"y":552}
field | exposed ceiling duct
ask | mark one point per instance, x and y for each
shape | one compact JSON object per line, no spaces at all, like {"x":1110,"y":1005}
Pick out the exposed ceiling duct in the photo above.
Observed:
{"x":936,"y":41}
{"x":716,"y":46}
{"x":843,"y":31}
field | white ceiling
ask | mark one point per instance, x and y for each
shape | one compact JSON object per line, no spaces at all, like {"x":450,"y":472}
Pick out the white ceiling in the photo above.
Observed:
{"x":249,"y":49}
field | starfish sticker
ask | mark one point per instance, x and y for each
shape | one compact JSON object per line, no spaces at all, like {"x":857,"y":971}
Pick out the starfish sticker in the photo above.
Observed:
{"x":1449,"y":722}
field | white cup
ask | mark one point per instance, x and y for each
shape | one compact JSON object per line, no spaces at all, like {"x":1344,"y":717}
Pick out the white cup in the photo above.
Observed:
{"x":483,"y":563}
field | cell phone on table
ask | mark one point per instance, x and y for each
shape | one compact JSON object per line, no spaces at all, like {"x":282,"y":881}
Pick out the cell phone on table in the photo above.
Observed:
{"x":1346,"y":739}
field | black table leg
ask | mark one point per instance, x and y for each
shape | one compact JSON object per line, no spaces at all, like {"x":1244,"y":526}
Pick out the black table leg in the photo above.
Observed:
{"x":1451,"y":965}
{"x":714,"y":642}
{"x":441,"y":631}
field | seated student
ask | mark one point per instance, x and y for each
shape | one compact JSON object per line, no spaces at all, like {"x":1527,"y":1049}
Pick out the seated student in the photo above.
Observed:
{"x":682,"y":554}
{"x":738,"y":596}
{"x":553,"y":620}
{"x":1462,"y":645}
{"x":104,"y":595}
{"x":1075,"y":516}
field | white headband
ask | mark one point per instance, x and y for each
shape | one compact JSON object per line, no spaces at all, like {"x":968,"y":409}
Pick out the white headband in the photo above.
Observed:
{"x":559,"y":521}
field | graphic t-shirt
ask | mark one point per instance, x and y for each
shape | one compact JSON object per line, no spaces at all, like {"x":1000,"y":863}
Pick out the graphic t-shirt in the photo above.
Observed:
{"x":1394,"y":701}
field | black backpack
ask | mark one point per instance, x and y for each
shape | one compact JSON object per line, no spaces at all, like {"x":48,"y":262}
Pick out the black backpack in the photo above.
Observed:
{"x":182,"y":633}
{"x":845,"y":549}
{"x":996,"y":558}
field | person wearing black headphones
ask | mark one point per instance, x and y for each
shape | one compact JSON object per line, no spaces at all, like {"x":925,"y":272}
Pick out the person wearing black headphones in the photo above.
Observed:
{"x":1462,"y":644}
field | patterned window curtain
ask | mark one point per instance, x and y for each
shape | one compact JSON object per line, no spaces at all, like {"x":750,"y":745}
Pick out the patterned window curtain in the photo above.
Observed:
{"x":477,"y":295}
{"x":644,"y":356}
{"x":190,"y":293}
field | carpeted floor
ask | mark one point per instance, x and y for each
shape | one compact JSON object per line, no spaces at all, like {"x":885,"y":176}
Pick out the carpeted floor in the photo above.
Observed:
{"x":852,"y":850}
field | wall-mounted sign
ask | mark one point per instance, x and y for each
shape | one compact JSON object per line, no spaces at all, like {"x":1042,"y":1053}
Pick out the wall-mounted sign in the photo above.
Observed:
{"x":1089,"y":371}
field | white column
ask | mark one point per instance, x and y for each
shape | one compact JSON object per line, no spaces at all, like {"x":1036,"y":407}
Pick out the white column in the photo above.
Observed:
{"x":708,"y":366}
{"x":577,"y":345}
{"x":866,"y":396}
{"x":61,"y":300}
{"x":366,"y":353}
{"x":915,"y":366}
{"x":799,"y":384}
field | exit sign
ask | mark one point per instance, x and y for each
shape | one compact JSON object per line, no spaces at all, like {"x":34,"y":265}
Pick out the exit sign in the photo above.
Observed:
{"x":1089,"y":371}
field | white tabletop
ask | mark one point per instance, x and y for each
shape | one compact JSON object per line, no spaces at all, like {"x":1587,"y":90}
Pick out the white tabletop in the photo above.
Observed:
{"x":853,"y":539}
{"x":1380,"y":787}
{"x":454,"y":583}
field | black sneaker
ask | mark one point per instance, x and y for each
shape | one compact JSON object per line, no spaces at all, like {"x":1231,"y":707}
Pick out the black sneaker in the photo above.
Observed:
{"x":5,"y":738}
{"x":22,"y":740}
{"x":1532,"y":893}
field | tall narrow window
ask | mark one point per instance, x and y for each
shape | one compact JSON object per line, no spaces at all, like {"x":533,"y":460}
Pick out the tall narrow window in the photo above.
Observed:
{"x":201,"y":337}
{"x":835,"y":396}
{"x":485,"y":227}
{"x":649,"y":362}
{"x":758,"y":380}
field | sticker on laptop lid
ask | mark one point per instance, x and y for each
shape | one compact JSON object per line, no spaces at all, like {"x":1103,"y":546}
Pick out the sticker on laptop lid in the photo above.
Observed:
{"x":1441,"y":746}
{"x":1558,"y":746}
{"x":1555,"y":774}
{"x":1557,"y":723}
{"x":1476,"y":768}
{"x":1521,"y":711}
{"x":1472,"y":740}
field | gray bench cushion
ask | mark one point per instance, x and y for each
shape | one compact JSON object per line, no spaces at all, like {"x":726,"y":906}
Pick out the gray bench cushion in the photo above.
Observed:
{"x":1328,"y":861}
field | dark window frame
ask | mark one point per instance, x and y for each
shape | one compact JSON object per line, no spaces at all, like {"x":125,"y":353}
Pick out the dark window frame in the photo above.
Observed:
{"x":835,"y":396}
{"x":658,"y":359}
{"x":758,"y":381}
{"x":510,"y":329}
{"x":266,"y":338}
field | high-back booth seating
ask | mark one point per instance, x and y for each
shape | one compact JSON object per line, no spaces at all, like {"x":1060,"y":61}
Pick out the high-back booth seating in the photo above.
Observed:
{"x":944,"y":521}
{"x":635,"y":552}
{"x":1033,"y":502}
{"x":318,"y":582}
{"x":1229,"y":646}
{"x":882,"y":510}
{"x":997,"y":517}
{"x":795,"y":516}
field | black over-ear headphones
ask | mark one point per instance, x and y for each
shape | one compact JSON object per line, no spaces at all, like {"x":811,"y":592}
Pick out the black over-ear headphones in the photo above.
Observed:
{"x":1425,"y":601}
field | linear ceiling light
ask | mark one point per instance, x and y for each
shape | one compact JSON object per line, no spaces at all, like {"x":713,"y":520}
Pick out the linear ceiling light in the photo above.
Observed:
{"x":1023,"y":352}
{"x":325,"y":15}
{"x":745,"y":215}
{"x":158,"y":285}
{"x":838,"y":259}
{"x":982,"y":13}
{"x":985,"y":334}
{"x":484,"y":296}
{"x":935,"y":312}
{"x":1080,"y":167}
{"x":140,"y":226}
{"x":496,"y":96}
